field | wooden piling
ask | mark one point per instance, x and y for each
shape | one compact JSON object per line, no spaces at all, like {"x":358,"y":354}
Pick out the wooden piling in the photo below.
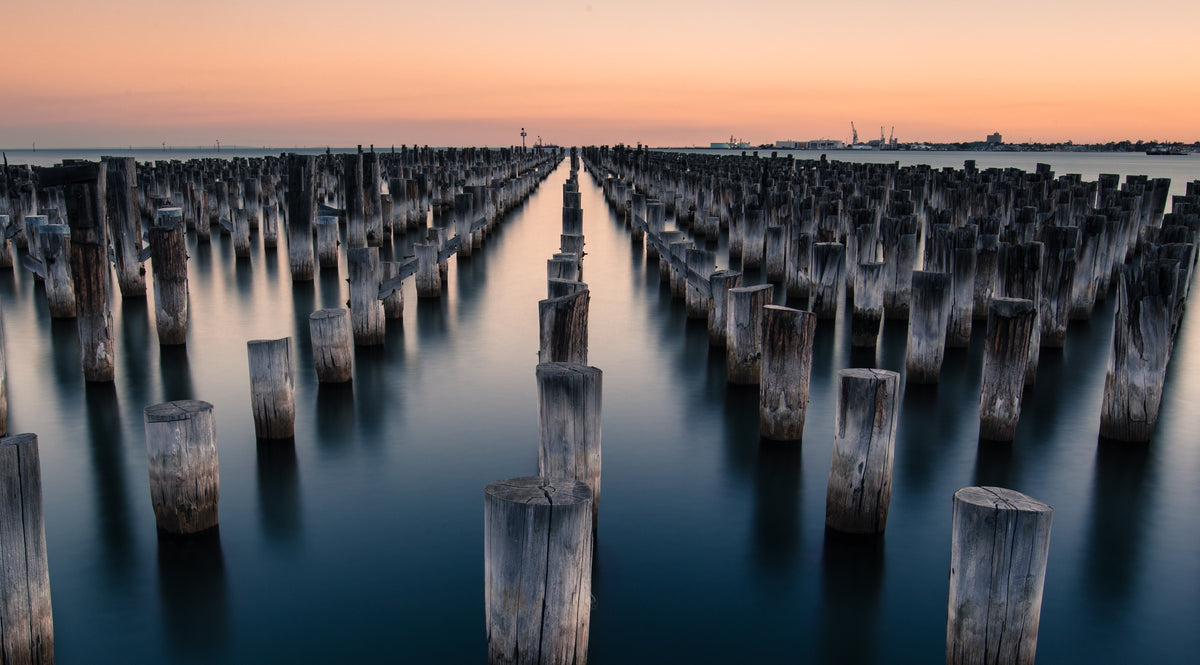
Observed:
{"x":700,"y":264}
{"x":744,"y":339}
{"x":867,"y":314}
{"x":828,"y":274}
{"x":302,"y":214}
{"x":332,"y":345}
{"x":54,"y":243}
{"x":787,"y":348}
{"x":1005,"y":356}
{"x":720,"y":282}
{"x":428,"y":279}
{"x":929,"y":317}
{"x":327,"y":241}
{"x":272,"y":388}
{"x":985,"y":273}
{"x":569,"y":402}
{"x":1019,"y":275}
{"x":168,"y":258}
{"x":537,"y":571}
{"x":26,"y":618}
{"x":860,"y":475}
{"x":962,"y":307}
{"x":797,"y":279}
{"x":393,"y":303}
{"x":999,"y":548}
{"x":366,"y":310}
{"x":563,"y":326}
{"x":181,"y":444}
{"x":125,"y":224}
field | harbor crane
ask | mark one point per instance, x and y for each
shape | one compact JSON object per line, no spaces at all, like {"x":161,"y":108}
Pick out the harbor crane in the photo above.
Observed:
{"x":853,"y":134}
{"x":891,"y":135}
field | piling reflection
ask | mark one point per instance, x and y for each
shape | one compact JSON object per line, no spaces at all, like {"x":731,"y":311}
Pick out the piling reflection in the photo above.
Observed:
{"x":335,"y":421}
{"x":64,"y":348}
{"x":370,"y":399}
{"x":1117,"y":526}
{"x":111,"y":502}
{"x":304,"y":300}
{"x":279,"y":491}
{"x":192,"y":589}
{"x":852,"y":572}
{"x":741,"y":428}
{"x":137,"y":338}
{"x":777,"y":507}
{"x":176,"y":374}
{"x":432,"y":326}
{"x":333,"y":291}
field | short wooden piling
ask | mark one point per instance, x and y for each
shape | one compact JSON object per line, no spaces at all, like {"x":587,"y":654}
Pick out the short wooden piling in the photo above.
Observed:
{"x":569,"y":402}
{"x":828,"y":274}
{"x":962,"y":307}
{"x":700,"y":265}
{"x":272,"y":387}
{"x":240,"y":233}
{"x":563,"y":326}
{"x":986,"y":256}
{"x":393,"y":303}
{"x":743,"y":346}
{"x":26,"y":619}
{"x":720,"y":282}
{"x":1005,"y":355}
{"x":999,"y":547}
{"x":797,"y":279}
{"x":537,"y":571}
{"x":868,"y":304}
{"x":428,"y":280}
{"x":327,"y":241}
{"x":124,"y":223}
{"x":787,"y":349}
{"x":181,"y":444}
{"x":775,"y":259}
{"x":864,"y":441}
{"x":54,"y":242}
{"x":366,"y":310}
{"x":302,"y":214}
{"x":168,"y":258}
{"x":929,"y":317}
{"x":332,"y":344}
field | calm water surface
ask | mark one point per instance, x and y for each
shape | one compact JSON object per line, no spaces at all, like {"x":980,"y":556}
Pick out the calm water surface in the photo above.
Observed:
{"x":363,"y":540}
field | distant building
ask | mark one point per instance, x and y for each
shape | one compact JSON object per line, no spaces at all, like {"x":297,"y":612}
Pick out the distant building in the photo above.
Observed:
{"x":826,"y":144}
{"x":719,"y":146}
{"x":788,"y":145}
{"x":994,"y":139}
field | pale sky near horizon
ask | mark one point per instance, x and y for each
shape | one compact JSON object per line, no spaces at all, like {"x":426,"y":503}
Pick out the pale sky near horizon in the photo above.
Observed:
{"x":678,"y":72}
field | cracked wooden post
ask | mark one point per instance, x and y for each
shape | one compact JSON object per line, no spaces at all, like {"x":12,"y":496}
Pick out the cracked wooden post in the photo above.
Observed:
{"x":1019,"y":275}
{"x":537,"y":570}
{"x":867,"y":313}
{"x":985,"y":273}
{"x":332,"y":344}
{"x":787,"y":349}
{"x":999,"y":547}
{"x":962,"y":306}
{"x":775,"y":254}
{"x":302,"y":214}
{"x":372,"y":198}
{"x":797,"y":279}
{"x":26,"y":617}
{"x":393,"y":303}
{"x":352,"y":188}
{"x":700,"y":265}
{"x":569,"y":401}
{"x":366,"y":310}
{"x":1142,"y":339}
{"x":272,"y":387}
{"x":744,"y":339}
{"x":241,"y":233}
{"x":1058,"y":279}
{"x":828,"y":273}
{"x":327,"y":241}
{"x":1005,"y":355}
{"x":168,"y":258}
{"x":181,"y":444}
{"x":125,"y":224}
{"x":563,"y":328}
{"x":428,"y":279}
{"x":928,"y":320}
{"x":54,"y":242}
{"x":720,"y":282}
{"x":3,"y":381}
{"x":864,"y":442}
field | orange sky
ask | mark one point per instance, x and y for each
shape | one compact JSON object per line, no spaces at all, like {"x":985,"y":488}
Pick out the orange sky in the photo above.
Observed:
{"x":463,"y":72}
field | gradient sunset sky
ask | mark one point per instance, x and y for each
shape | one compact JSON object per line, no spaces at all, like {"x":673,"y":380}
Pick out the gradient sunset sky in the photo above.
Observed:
{"x":675,"y":73}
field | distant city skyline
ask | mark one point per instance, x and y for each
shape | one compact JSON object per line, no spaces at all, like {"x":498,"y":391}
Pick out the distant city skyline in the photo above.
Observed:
{"x":668,"y":73}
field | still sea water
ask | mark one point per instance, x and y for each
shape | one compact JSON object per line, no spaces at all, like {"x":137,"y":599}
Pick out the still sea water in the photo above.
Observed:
{"x":363,"y":540}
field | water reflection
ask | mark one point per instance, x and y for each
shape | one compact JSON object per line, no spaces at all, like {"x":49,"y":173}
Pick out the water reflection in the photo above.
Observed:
{"x":192,"y":589}
{"x":108,"y":468}
{"x":335,"y":421}
{"x":176,"y":374}
{"x":370,"y":388}
{"x":279,"y":491}
{"x":304,"y":299}
{"x":852,"y":572}
{"x":137,"y":340}
{"x":64,"y":347}
{"x":332,"y":294}
{"x":777,"y":507}
{"x":1118,"y":524}
{"x":741,"y":428}
{"x":431,"y":322}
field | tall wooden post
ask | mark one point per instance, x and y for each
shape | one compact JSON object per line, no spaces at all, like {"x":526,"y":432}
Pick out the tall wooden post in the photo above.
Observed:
{"x":864,"y":442}
{"x":569,"y":402}
{"x":743,"y":345}
{"x":125,"y":224}
{"x":333,"y":345}
{"x":302,"y":214}
{"x":927,"y":323}
{"x":1009,"y":330}
{"x":26,"y":619}
{"x":272,"y":387}
{"x":563,"y":326}
{"x":720,"y":282}
{"x":168,"y":257}
{"x":366,"y":310}
{"x":787,"y":348}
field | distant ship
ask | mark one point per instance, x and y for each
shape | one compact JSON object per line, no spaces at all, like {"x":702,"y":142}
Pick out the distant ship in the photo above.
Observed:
{"x":1161,"y":150}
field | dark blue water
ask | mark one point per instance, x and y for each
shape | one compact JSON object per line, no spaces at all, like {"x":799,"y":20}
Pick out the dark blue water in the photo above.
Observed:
{"x":363,"y":541}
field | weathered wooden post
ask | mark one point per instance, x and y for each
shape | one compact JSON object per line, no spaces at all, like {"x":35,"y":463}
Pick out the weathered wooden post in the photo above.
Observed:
{"x":828,"y":273}
{"x":332,"y":344}
{"x":787,"y":349}
{"x":700,"y":265}
{"x":775,"y":259}
{"x":927,"y":323}
{"x":1142,"y":342}
{"x":999,"y":547}
{"x":125,"y":224}
{"x":54,"y":242}
{"x":743,"y":344}
{"x":962,"y":307}
{"x":270,"y":225}
{"x":1058,"y":280}
{"x":373,"y":199}
{"x":1019,"y":275}
{"x":181,"y":444}
{"x":327,"y":241}
{"x":366,"y":310}
{"x":428,"y":280}
{"x":537,"y":571}
{"x":393,"y":303}
{"x":864,"y":442}
{"x":563,"y":326}
{"x":569,"y":400}
{"x":985,"y":273}
{"x":868,"y":304}
{"x":302,"y":213}
{"x":3,"y":382}
{"x":1005,"y":355}
{"x":168,"y":257}
{"x":85,"y":187}
{"x":26,"y":619}
{"x":272,"y":387}
{"x":352,"y":188}
{"x":241,"y":233}
{"x":797,"y":279}
{"x":720,"y":282}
